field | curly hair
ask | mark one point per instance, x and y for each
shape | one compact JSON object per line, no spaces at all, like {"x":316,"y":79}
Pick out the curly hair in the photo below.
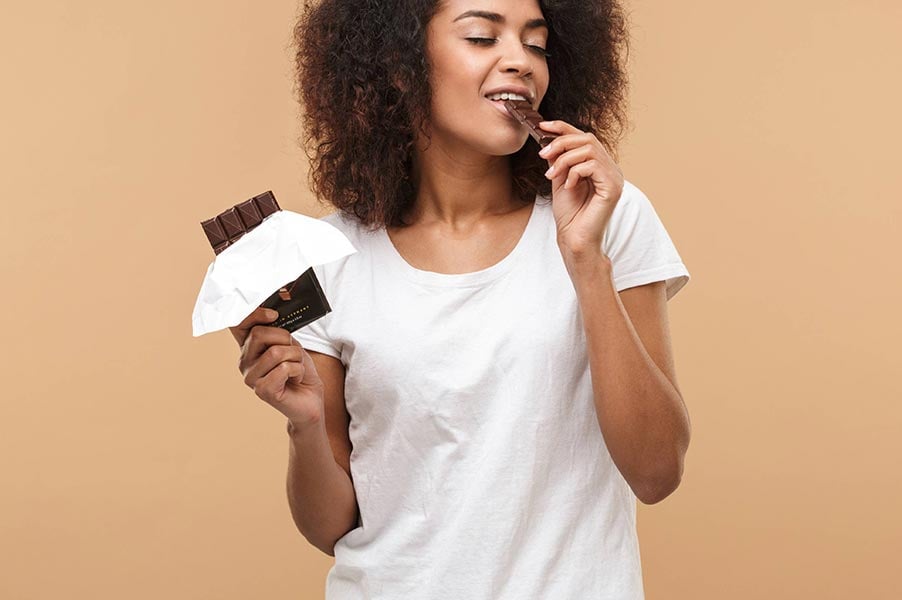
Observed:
{"x":362,"y":84}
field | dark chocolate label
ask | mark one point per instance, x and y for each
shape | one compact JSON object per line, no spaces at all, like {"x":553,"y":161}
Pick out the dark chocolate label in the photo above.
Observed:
{"x":299,"y":302}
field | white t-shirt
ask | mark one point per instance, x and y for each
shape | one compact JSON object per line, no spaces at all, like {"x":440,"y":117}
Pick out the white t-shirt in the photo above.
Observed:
{"x":479,"y":466}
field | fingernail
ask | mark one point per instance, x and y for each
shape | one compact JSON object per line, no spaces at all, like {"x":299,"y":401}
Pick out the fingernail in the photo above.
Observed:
{"x":271,"y":314}
{"x":549,"y":172}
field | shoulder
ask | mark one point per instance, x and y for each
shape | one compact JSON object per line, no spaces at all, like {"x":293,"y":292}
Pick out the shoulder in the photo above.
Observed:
{"x":360,"y":237}
{"x":353,"y":229}
{"x":632,"y":198}
{"x":632,"y":210}
{"x":338,"y":220}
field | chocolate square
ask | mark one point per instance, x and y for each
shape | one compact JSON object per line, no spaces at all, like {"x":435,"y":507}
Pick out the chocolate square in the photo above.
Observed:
{"x":231,"y":224}
{"x":214,"y":232}
{"x":249,"y":213}
{"x":267,"y":204}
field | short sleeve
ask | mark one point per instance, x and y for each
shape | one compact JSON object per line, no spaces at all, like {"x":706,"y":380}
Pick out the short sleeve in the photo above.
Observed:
{"x":639,"y":247}
{"x":316,"y":336}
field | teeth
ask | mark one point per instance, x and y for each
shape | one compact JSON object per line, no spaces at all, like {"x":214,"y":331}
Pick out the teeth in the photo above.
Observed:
{"x":505,"y":96}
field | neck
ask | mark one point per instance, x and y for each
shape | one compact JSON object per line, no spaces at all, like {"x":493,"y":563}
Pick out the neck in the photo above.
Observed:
{"x":458,"y":191}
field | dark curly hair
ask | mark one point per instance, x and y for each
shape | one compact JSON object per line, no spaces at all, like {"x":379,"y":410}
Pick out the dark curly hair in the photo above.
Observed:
{"x":362,"y":84}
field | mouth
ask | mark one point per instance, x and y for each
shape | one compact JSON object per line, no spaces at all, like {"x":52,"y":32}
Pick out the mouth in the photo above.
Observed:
{"x":499,"y":105}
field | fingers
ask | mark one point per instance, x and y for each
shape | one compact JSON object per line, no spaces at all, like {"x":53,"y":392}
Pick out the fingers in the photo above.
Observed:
{"x":559,"y":127}
{"x":258,"y":340}
{"x":568,"y":142}
{"x":259,"y":316}
{"x":588,"y":169}
{"x":271,"y":387}
{"x":568,"y":137}
{"x":273,"y":357}
{"x":568,"y":159}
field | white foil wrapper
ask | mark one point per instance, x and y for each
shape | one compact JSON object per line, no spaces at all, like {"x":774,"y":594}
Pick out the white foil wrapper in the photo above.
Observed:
{"x":274,"y":253}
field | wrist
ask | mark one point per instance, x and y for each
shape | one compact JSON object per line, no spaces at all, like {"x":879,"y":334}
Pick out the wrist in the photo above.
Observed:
{"x":297,"y":429}
{"x":578,"y":260}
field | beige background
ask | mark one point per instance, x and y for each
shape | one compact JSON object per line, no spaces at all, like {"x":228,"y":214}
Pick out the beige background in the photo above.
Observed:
{"x":135,"y":464}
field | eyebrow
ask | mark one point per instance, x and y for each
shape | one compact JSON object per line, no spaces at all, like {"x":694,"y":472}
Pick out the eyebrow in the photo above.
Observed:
{"x":496,"y":18}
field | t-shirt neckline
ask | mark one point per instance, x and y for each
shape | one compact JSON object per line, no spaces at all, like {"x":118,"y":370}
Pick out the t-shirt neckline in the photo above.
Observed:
{"x":460,"y":279}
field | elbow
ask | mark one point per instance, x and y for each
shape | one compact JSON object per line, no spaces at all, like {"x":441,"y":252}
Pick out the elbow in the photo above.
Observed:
{"x":666,"y":478}
{"x":658,"y":488}
{"x":652,"y":494}
{"x":327,"y":548}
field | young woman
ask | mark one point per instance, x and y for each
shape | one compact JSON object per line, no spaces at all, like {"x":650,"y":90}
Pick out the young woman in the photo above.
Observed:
{"x":494,"y":387}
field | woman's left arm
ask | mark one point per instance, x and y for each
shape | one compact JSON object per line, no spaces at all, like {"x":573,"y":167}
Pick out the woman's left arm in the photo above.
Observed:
{"x":640,"y":410}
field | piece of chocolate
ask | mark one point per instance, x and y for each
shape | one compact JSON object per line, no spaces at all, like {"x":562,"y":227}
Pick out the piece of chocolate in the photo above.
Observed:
{"x":267,"y":203}
{"x":214,"y":232}
{"x":523,"y":111}
{"x":227,"y":227}
{"x":231,"y":224}
{"x":249,"y":213}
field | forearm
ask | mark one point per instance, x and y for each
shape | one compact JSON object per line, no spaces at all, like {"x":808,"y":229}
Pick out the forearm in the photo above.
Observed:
{"x":641,"y":414}
{"x":320,"y":493}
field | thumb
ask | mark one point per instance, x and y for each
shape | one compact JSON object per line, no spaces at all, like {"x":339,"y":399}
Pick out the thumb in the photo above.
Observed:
{"x":260,"y":316}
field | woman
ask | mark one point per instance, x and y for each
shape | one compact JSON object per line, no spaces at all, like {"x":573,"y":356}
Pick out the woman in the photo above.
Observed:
{"x":494,"y":387}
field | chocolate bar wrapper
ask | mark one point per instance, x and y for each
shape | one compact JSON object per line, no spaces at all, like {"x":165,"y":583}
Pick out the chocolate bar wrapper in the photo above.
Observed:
{"x":271,"y":266}
{"x":298,"y":303}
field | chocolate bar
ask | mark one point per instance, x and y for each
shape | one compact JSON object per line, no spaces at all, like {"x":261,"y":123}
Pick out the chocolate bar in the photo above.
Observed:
{"x":298,"y":302}
{"x":227,"y":227}
{"x":523,"y":111}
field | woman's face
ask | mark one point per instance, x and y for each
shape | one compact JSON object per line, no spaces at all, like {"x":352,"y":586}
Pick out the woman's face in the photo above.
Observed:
{"x":465,"y":70}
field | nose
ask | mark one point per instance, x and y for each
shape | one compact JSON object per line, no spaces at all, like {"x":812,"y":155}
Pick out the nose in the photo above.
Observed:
{"x":515,"y":57}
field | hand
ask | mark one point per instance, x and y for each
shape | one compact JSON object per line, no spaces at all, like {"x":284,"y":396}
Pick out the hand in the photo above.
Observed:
{"x":586,"y":184}
{"x":278,"y":369}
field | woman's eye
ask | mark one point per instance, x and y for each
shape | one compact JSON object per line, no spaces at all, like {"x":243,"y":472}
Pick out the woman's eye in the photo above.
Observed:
{"x":539,"y":49}
{"x":488,"y":41}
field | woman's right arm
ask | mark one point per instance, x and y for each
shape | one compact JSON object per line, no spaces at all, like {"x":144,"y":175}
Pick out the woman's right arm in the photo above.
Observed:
{"x":320,"y":491}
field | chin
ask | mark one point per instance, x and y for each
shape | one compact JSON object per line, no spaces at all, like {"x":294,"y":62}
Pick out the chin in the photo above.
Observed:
{"x":501,"y":145}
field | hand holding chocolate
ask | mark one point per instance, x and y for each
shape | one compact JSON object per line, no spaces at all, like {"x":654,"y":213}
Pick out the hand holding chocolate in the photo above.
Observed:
{"x":258,"y":246}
